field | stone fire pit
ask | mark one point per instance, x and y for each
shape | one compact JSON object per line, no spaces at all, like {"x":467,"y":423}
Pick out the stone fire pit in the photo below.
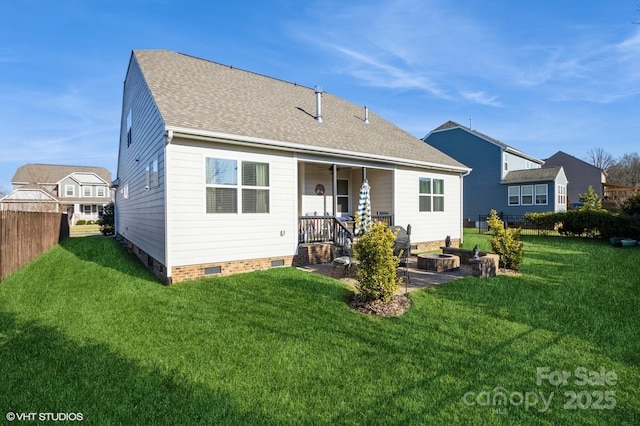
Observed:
{"x":438,"y":262}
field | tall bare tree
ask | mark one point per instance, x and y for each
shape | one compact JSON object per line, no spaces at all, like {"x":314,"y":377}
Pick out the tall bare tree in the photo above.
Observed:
{"x":626,"y":171}
{"x":601,"y":159}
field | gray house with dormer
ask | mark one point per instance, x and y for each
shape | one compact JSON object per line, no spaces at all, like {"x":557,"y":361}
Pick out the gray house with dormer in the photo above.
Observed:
{"x":82,"y":191}
{"x":503,"y":178}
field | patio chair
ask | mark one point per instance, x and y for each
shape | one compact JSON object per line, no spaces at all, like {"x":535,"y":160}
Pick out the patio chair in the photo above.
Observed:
{"x":402,"y":248}
{"x":343,"y":257}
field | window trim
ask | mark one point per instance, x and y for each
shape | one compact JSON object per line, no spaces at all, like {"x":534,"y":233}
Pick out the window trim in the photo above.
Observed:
{"x":426,"y":195}
{"x":561,"y":192}
{"x":517,"y":196}
{"x":104,"y":192}
{"x":239,"y":186}
{"x":437,"y":195}
{"x":343,"y":196}
{"x":257,"y":188}
{"x":66,"y":190}
{"x":433,"y":198}
{"x":522,"y":195}
{"x":129,"y":126}
{"x":84,"y":192}
{"x":546,"y":194}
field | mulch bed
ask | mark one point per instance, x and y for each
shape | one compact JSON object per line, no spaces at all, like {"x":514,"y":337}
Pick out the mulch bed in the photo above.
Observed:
{"x":398,"y":305}
{"x":503,"y":271}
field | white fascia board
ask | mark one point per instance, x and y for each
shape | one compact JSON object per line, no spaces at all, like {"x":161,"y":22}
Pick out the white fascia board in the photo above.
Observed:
{"x":296,"y":147}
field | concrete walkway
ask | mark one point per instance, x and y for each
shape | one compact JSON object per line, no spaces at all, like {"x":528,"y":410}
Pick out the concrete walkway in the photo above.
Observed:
{"x":418,"y":278}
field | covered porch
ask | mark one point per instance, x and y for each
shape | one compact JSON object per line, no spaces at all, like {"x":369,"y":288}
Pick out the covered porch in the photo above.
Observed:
{"x":328,"y":196}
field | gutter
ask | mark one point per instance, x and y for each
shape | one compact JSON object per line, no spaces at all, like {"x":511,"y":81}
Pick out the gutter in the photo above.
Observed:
{"x":172,"y":132}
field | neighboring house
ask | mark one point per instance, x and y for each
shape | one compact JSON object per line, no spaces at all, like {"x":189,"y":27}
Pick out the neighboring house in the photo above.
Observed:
{"x":503,"y":178}
{"x":581,"y":174}
{"x":222,"y":170}
{"x":82,"y":191}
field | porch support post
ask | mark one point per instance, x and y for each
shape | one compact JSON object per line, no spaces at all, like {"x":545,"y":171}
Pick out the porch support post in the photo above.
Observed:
{"x":334,"y":195}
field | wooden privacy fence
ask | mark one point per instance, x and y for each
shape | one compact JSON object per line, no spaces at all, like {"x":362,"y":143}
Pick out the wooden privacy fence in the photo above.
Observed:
{"x":26,"y":235}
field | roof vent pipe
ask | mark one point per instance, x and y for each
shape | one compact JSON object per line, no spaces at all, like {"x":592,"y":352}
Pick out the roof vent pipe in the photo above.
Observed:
{"x":366,"y":114}
{"x":319,"y":104}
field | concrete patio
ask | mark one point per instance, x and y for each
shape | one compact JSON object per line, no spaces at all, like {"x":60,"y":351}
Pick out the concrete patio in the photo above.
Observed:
{"x":419,"y":278}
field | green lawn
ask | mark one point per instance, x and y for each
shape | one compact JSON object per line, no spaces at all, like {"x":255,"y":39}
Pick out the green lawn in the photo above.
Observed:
{"x":85,"y":329}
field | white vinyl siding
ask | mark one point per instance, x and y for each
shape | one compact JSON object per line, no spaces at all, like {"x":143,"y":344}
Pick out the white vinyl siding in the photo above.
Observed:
{"x":426,"y":226}
{"x":140,"y":212}
{"x":201,"y":237}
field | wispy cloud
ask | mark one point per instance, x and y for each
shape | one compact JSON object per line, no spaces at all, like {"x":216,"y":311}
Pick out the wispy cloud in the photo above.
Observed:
{"x":433,"y":47}
{"x":481,"y":98}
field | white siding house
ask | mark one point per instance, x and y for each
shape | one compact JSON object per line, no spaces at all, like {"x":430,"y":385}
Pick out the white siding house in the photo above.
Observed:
{"x":222,"y":170}
{"x":82,"y":191}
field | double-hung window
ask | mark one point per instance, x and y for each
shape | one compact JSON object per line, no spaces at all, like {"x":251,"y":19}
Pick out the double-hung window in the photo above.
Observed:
{"x":86,"y":191}
{"x":424,"y":196}
{"x":255,"y":187}
{"x":430,"y":195}
{"x":227,"y":187}
{"x":222,"y":185}
{"x":541,"y":194}
{"x":527,"y":195}
{"x":514,"y":195}
{"x":438,"y":195}
{"x":69,"y":190}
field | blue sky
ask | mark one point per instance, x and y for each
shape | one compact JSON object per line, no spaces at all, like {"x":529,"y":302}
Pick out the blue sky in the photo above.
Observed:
{"x":540,"y":76}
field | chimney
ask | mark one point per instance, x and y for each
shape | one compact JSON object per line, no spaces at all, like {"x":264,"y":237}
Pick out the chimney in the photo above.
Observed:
{"x":319,"y":104}
{"x":366,"y":114}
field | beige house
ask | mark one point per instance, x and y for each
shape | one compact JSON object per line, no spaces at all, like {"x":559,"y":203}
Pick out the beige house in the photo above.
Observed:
{"x":222,"y":170}
{"x":82,"y":191}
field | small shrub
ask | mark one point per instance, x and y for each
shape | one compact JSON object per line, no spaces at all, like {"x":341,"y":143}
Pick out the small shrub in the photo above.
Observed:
{"x":590,"y":201}
{"x":106,"y":221}
{"x":377,"y":279}
{"x":81,"y":222}
{"x":631,"y":205}
{"x":506,"y":243}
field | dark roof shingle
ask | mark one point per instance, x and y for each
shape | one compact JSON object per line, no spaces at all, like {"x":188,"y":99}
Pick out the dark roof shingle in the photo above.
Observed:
{"x":201,"y":95}
{"x":532,"y":175}
{"x":53,"y":173}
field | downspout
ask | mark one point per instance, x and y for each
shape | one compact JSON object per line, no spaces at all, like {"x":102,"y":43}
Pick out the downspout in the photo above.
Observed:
{"x":462,"y":176}
{"x":167,"y":213}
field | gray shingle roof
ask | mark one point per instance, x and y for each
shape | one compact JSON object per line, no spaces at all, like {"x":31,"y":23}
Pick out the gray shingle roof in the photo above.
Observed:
{"x":532,"y":175}
{"x":201,"y":95}
{"x":53,"y":173}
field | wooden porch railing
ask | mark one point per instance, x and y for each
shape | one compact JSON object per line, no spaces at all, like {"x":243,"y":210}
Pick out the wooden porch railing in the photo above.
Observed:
{"x":318,"y":229}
